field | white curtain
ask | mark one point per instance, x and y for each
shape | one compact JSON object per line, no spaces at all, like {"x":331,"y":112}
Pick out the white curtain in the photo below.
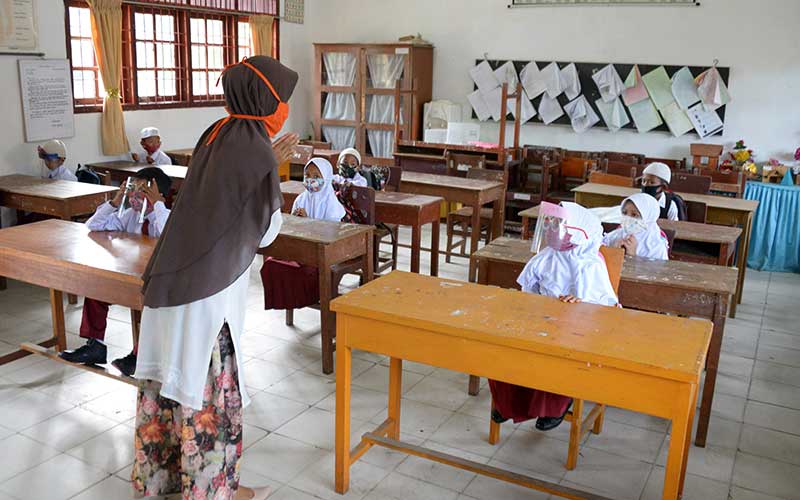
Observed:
{"x":341,"y":70}
{"x":384,"y":70}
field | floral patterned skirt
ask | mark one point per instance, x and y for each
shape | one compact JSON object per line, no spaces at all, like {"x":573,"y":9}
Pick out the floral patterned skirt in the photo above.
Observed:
{"x":182,"y":450}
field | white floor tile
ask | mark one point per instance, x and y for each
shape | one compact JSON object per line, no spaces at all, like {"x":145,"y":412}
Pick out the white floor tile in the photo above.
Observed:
{"x":487,"y":488}
{"x":711,"y":462}
{"x":399,"y":487}
{"x":59,"y":478}
{"x":694,"y":487}
{"x":69,"y":429}
{"x":441,"y":392}
{"x":770,"y":444}
{"x":280,"y":458}
{"x":318,"y":479}
{"x":22,"y":453}
{"x":377,"y":379}
{"x":303,"y":387}
{"x":29,"y":409}
{"x":268,"y":411}
{"x":109,"y":451}
{"x":628,"y":441}
{"x":766,"y":476}
{"x":622,"y":477}
{"x":109,"y":488}
{"x":773,"y":417}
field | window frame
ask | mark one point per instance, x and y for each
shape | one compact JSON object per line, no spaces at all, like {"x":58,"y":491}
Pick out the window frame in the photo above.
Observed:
{"x":129,"y":84}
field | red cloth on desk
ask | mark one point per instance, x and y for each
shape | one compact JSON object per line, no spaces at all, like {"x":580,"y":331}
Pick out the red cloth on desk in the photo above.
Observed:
{"x":522,"y":403}
{"x":289,"y":285}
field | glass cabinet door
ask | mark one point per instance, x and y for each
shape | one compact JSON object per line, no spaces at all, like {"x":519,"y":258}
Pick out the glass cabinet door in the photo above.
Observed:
{"x":339,"y":98}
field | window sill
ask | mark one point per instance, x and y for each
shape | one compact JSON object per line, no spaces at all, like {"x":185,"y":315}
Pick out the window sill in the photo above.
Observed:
{"x":151,"y":106}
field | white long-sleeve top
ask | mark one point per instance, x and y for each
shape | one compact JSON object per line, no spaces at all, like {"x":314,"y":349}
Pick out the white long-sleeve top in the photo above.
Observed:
{"x":159,"y":158}
{"x":61,"y":173}
{"x":107,"y":218}
{"x":176,"y":343}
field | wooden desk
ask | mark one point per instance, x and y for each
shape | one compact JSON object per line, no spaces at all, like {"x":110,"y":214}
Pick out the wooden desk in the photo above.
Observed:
{"x":323,"y":244}
{"x":471,"y":192}
{"x":180,"y":156}
{"x":585,"y":351}
{"x":120,"y":170}
{"x":65,"y":256}
{"x":721,"y":238}
{"x":431,"y":157}
{"x":722,"y":210}
{"x":395,"y":208}
{"x":62,"y":199}
{"x":687,"y":289}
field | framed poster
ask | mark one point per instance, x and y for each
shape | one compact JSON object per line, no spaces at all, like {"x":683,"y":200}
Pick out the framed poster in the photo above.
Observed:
{"x":18,"y":26}
{"x":293,"y":11}
{"x":46,"y":88}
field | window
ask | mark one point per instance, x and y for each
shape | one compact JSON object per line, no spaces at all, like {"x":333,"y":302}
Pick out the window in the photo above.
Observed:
{"x":172,"y":54}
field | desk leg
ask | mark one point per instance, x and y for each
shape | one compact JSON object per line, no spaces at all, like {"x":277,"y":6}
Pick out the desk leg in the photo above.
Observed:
{"x":344,"y":359}
{"x":712,"y":363}
{"x":435,"y":229}
{"x":416,"y":244}
{"x":483,"y":278}
{"x":395,"y":394}
{"x":326,"y":321}
{"x":57,"y":313}
{"x":724,"y":255}
{"x":475,"y":236}
{"x":526,"y":230}
{"x":498,"y":218}
{"x":369,"y":269}
{"x":741,"y":262}
{"x":679,"y":443}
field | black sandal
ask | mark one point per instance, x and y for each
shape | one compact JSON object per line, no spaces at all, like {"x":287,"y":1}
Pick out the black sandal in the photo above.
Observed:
{"x":497,"y":417}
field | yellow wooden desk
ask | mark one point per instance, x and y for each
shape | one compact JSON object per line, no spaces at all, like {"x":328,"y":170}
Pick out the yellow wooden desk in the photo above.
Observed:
{"x":722,"y":210}
{"x":585,"y":351}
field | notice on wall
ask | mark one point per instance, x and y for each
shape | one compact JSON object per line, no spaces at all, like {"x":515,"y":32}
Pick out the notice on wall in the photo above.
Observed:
{"x":46,"y":99}
{"x":17,"y":26}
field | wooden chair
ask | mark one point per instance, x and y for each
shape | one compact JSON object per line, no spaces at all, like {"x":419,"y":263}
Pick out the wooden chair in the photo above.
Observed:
{"x":689,"y":183}
{"x":674,"y":165}
{"x":624,"y":157}
{"x":730,"y":183}
{"x":626,"y":168}
{"x":572,"y":172}
{"x":316,"y":144}
{"x":696,"y":211}
{"x":580,"y":425}
{"x":533,"y":176}
{"x":459,"y":164}
{"x":463,"y":217}
{"x":395,"y":177}
{"x":597,"y":177}
{"x":705,"y":155}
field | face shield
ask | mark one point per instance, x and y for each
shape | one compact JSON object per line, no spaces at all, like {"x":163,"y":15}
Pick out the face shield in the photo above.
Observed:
{"x":552,"y":230}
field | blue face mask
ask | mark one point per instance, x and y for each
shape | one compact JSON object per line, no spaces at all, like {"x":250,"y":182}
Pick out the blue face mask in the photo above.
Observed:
{"x":314,"y":185}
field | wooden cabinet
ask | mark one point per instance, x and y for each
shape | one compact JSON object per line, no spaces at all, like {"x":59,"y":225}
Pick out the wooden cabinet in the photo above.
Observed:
{"x":354,"y":88}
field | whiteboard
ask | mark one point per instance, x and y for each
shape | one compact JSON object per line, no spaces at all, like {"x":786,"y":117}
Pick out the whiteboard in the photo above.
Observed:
{"x":46,"y":88}
{"x":18,"y":26}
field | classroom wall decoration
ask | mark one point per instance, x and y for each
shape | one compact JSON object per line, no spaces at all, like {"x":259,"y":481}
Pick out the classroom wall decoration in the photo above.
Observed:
{"x":515,"y":3}
{"x":293,"y":11}
{"x":645,"y":97}
{"x":18,"y":26}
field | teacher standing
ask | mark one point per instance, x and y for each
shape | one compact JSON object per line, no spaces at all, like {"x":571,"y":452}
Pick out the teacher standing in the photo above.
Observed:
{"x":192,"y":393}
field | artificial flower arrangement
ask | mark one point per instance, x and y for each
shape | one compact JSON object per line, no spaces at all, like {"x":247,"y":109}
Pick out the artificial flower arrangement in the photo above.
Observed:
{"x":741,"y":158}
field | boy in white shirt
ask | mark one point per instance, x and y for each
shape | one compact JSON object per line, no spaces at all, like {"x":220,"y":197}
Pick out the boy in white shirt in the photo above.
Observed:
{"x":150,"y":184}
{"x":655,"y":182}
{"x":151,"y":143}
{"x":54,"y":154}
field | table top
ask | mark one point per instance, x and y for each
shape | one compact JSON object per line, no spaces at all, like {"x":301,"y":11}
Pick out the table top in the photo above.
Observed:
{"x":184,"y":151}
{"x":48,"y":188}
{"x":319,"y":231}
{"x":118,"y":253}
{"x":450,"y":182}
{"x":687,"y":275}
{"x":381,"y":197}
{"x":447,"y":147}
{"x":712,"y":201}
{"x":175,"y":172}
{"x":607,"y":336}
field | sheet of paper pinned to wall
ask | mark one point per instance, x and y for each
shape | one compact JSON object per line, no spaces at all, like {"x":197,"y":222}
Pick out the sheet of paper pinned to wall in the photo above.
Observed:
{"x":570,"y":80}
{"x":659,"y":87}
{"x":507,"y":73}
{"x":581,"y":115}
{"x":608,"y":83}
{"x":712,"y":89}
{"x":684,"y":90}
{"x":526,"y":108}
{"x":635,"y":91}
{"x":549,"y":110}
{"x":532,"y":80}
{"x":645,"y":116}
{"x":462,"y":133}
{"x":47,"y":104}
{"x":552,"y":80}
{"x":494,"y":99}
{"x":705,"y":122}
{"x":479,"y":105}
{"x":613,"y":114}
{"x":484,"y":77}
{"x":677,"y":120}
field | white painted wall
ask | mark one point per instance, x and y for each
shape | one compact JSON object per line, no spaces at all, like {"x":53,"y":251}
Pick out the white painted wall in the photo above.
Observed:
{"x":758,"y":39}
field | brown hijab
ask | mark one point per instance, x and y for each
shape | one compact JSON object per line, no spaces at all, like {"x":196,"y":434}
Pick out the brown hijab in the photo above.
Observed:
{"x":229,"y":194}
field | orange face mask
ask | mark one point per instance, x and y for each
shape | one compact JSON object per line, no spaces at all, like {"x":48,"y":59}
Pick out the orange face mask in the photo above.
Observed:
{"x":272,"y":123}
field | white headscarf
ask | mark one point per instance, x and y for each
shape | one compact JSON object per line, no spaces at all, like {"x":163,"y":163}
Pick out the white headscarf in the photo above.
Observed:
{"x":323,"y":204}
{"x":651,"y":242}
{"x":580,"y":271}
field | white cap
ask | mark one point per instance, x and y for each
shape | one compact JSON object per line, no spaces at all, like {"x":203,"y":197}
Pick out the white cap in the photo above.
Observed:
{"x":660,"y":170}
{"x":55,"y":147}
{"x":349,"y":151}
{"x":150,"y":132}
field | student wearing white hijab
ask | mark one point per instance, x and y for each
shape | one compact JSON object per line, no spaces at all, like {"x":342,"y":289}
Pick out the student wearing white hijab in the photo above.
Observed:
{"x":573,"y":270}
{"x":288,"y":284}
{"x":348,"y":164}
{"x":639,"y":233}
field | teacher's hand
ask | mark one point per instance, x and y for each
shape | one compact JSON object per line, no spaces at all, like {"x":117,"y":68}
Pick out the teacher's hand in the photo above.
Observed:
{"x":284,"y":147}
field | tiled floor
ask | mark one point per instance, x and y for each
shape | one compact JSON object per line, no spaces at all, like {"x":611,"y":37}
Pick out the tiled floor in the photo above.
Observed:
{"x":65,"y":433}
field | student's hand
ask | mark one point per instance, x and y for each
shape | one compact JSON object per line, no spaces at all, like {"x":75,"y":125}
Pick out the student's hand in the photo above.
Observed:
{"x":119,"y":196}
{"x":300,"y":212}
{"x":150,"y":160}
{"x":630,"y":244}
{"x":569,"y":299}
{"x":135,"y":157}
{"x":284,"y":147}
{"x":152,"y":194}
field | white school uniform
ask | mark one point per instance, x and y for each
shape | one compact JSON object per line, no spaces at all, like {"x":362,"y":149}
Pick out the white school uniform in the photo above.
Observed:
{"x":651,"y":242}
{"x":322,"y":205}
{"x":357,"y":180}
{"x":672,"y":213}
{"x":159,"y":158}
{"x":107,"y":218}
{"x":62,"y":173}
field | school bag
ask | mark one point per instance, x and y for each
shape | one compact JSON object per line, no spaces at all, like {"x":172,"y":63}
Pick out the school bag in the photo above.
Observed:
{"x":680,"y":204}
{"x":87,"y":175}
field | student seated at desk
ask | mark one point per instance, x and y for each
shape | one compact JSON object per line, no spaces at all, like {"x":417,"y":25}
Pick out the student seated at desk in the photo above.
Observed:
{"x":54,"y":154}
{"x":655,"y":182}
{"x":639,"y":233}
{"x":289,"y":285}
{"x":349,"y":165}
{"x":571,"y":268}
{"x":151,"y":143}
{"x":107,"y":218}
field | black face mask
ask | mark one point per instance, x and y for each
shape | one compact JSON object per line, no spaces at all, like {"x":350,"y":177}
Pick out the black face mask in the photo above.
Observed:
{"x":651,"y":190}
